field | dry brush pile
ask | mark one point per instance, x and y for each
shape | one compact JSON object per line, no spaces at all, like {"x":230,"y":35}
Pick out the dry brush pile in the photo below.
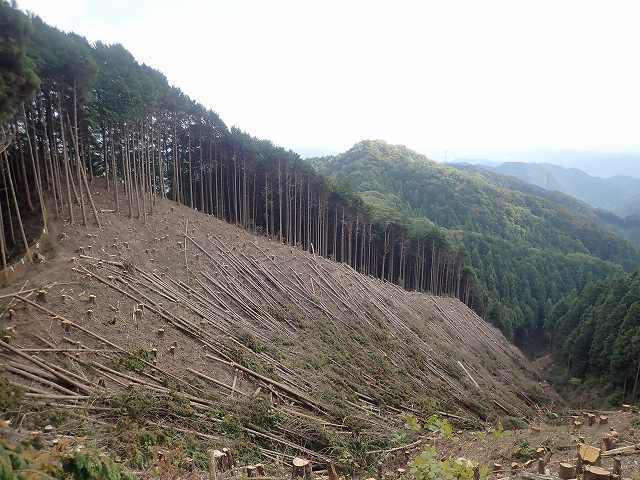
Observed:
{"x":186,"y":324}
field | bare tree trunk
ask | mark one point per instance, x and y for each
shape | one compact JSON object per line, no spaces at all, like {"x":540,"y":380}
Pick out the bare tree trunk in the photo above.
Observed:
{"x":17,"y":208}
{"x":66,"y":164}
{"x":36,"y":170}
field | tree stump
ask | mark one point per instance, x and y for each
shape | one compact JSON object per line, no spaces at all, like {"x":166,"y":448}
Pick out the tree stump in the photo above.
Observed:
{"x":541,"y":466}
{"x":301,"y":469}
{"x":603,"y":420}
{"x":608,"y":443}
{"x":259,"y":469}
{"x":251,"y":471}
{"x":592,"y":472}
{"x":229,"y":459}
{"x":591,"y":418}
{"x":627,"y":408}
{"x":214,"y":463}
{"x":567,"y":471}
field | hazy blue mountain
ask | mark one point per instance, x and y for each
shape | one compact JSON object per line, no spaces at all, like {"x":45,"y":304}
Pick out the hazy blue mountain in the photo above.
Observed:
{"x":618,"y":194}
{"x":599,"y":164}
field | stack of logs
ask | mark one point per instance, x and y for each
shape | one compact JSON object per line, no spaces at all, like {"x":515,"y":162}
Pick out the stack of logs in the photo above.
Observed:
{"x":589,"y":465}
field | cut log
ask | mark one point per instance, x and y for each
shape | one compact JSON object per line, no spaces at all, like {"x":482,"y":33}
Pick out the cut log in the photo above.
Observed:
{"x":589,"y":454}
{"x":628,"y":450}
{"x":566,"y":471}
{"x":592,"y":472}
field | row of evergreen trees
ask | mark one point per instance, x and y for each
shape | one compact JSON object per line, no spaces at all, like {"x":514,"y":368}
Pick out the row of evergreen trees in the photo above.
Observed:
{"x":76,"y":113}
{"x":595,"y":333}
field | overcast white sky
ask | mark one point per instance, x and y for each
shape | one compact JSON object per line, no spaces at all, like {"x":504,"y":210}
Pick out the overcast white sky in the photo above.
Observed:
{"x":467,"y":77}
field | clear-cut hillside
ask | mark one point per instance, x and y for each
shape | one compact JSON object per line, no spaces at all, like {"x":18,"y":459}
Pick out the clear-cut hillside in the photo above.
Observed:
{"x":221,"y":321}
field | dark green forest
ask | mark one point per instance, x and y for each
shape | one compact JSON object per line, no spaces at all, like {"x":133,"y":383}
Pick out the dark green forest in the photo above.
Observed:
{"x":595,"y":332}
{"x":627,"y":227}
{"x":75,"y":113}
{"x":527,"y":251}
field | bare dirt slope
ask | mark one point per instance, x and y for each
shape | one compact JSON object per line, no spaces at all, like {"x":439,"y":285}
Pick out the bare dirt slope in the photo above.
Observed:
{"x":183,"y":302}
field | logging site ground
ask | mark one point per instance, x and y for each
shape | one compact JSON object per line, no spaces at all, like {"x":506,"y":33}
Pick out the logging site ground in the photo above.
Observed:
{"x":175,"y":345}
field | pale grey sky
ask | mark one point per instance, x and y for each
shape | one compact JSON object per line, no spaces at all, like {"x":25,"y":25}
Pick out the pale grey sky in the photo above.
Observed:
{"x":469,"y":77}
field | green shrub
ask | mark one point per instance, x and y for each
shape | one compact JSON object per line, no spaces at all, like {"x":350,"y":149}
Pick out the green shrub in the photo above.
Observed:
{"x":93,"y":466}
{"x":140,"y":403}
{"x":524,"y":452}
{"x":133,"y":361}
{"x":10,"y":396}
{"x":435,"y":423}
{"x":513,"y":423}
{"x":427,"y":467}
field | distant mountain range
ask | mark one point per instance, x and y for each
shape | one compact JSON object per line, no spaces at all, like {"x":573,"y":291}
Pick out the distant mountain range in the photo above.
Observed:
{"x":598,"y":164}
{"x":618,"y":194}
{"x":527,"y":246}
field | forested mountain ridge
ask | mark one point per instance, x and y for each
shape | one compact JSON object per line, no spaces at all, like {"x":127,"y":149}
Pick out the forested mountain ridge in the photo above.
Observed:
{"x":626,"y":227}
{"x":527,"y":251}
{"x":92,"y":111}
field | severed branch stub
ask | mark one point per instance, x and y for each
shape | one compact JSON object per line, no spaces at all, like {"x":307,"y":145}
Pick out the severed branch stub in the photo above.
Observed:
{"x":302,"y":468}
